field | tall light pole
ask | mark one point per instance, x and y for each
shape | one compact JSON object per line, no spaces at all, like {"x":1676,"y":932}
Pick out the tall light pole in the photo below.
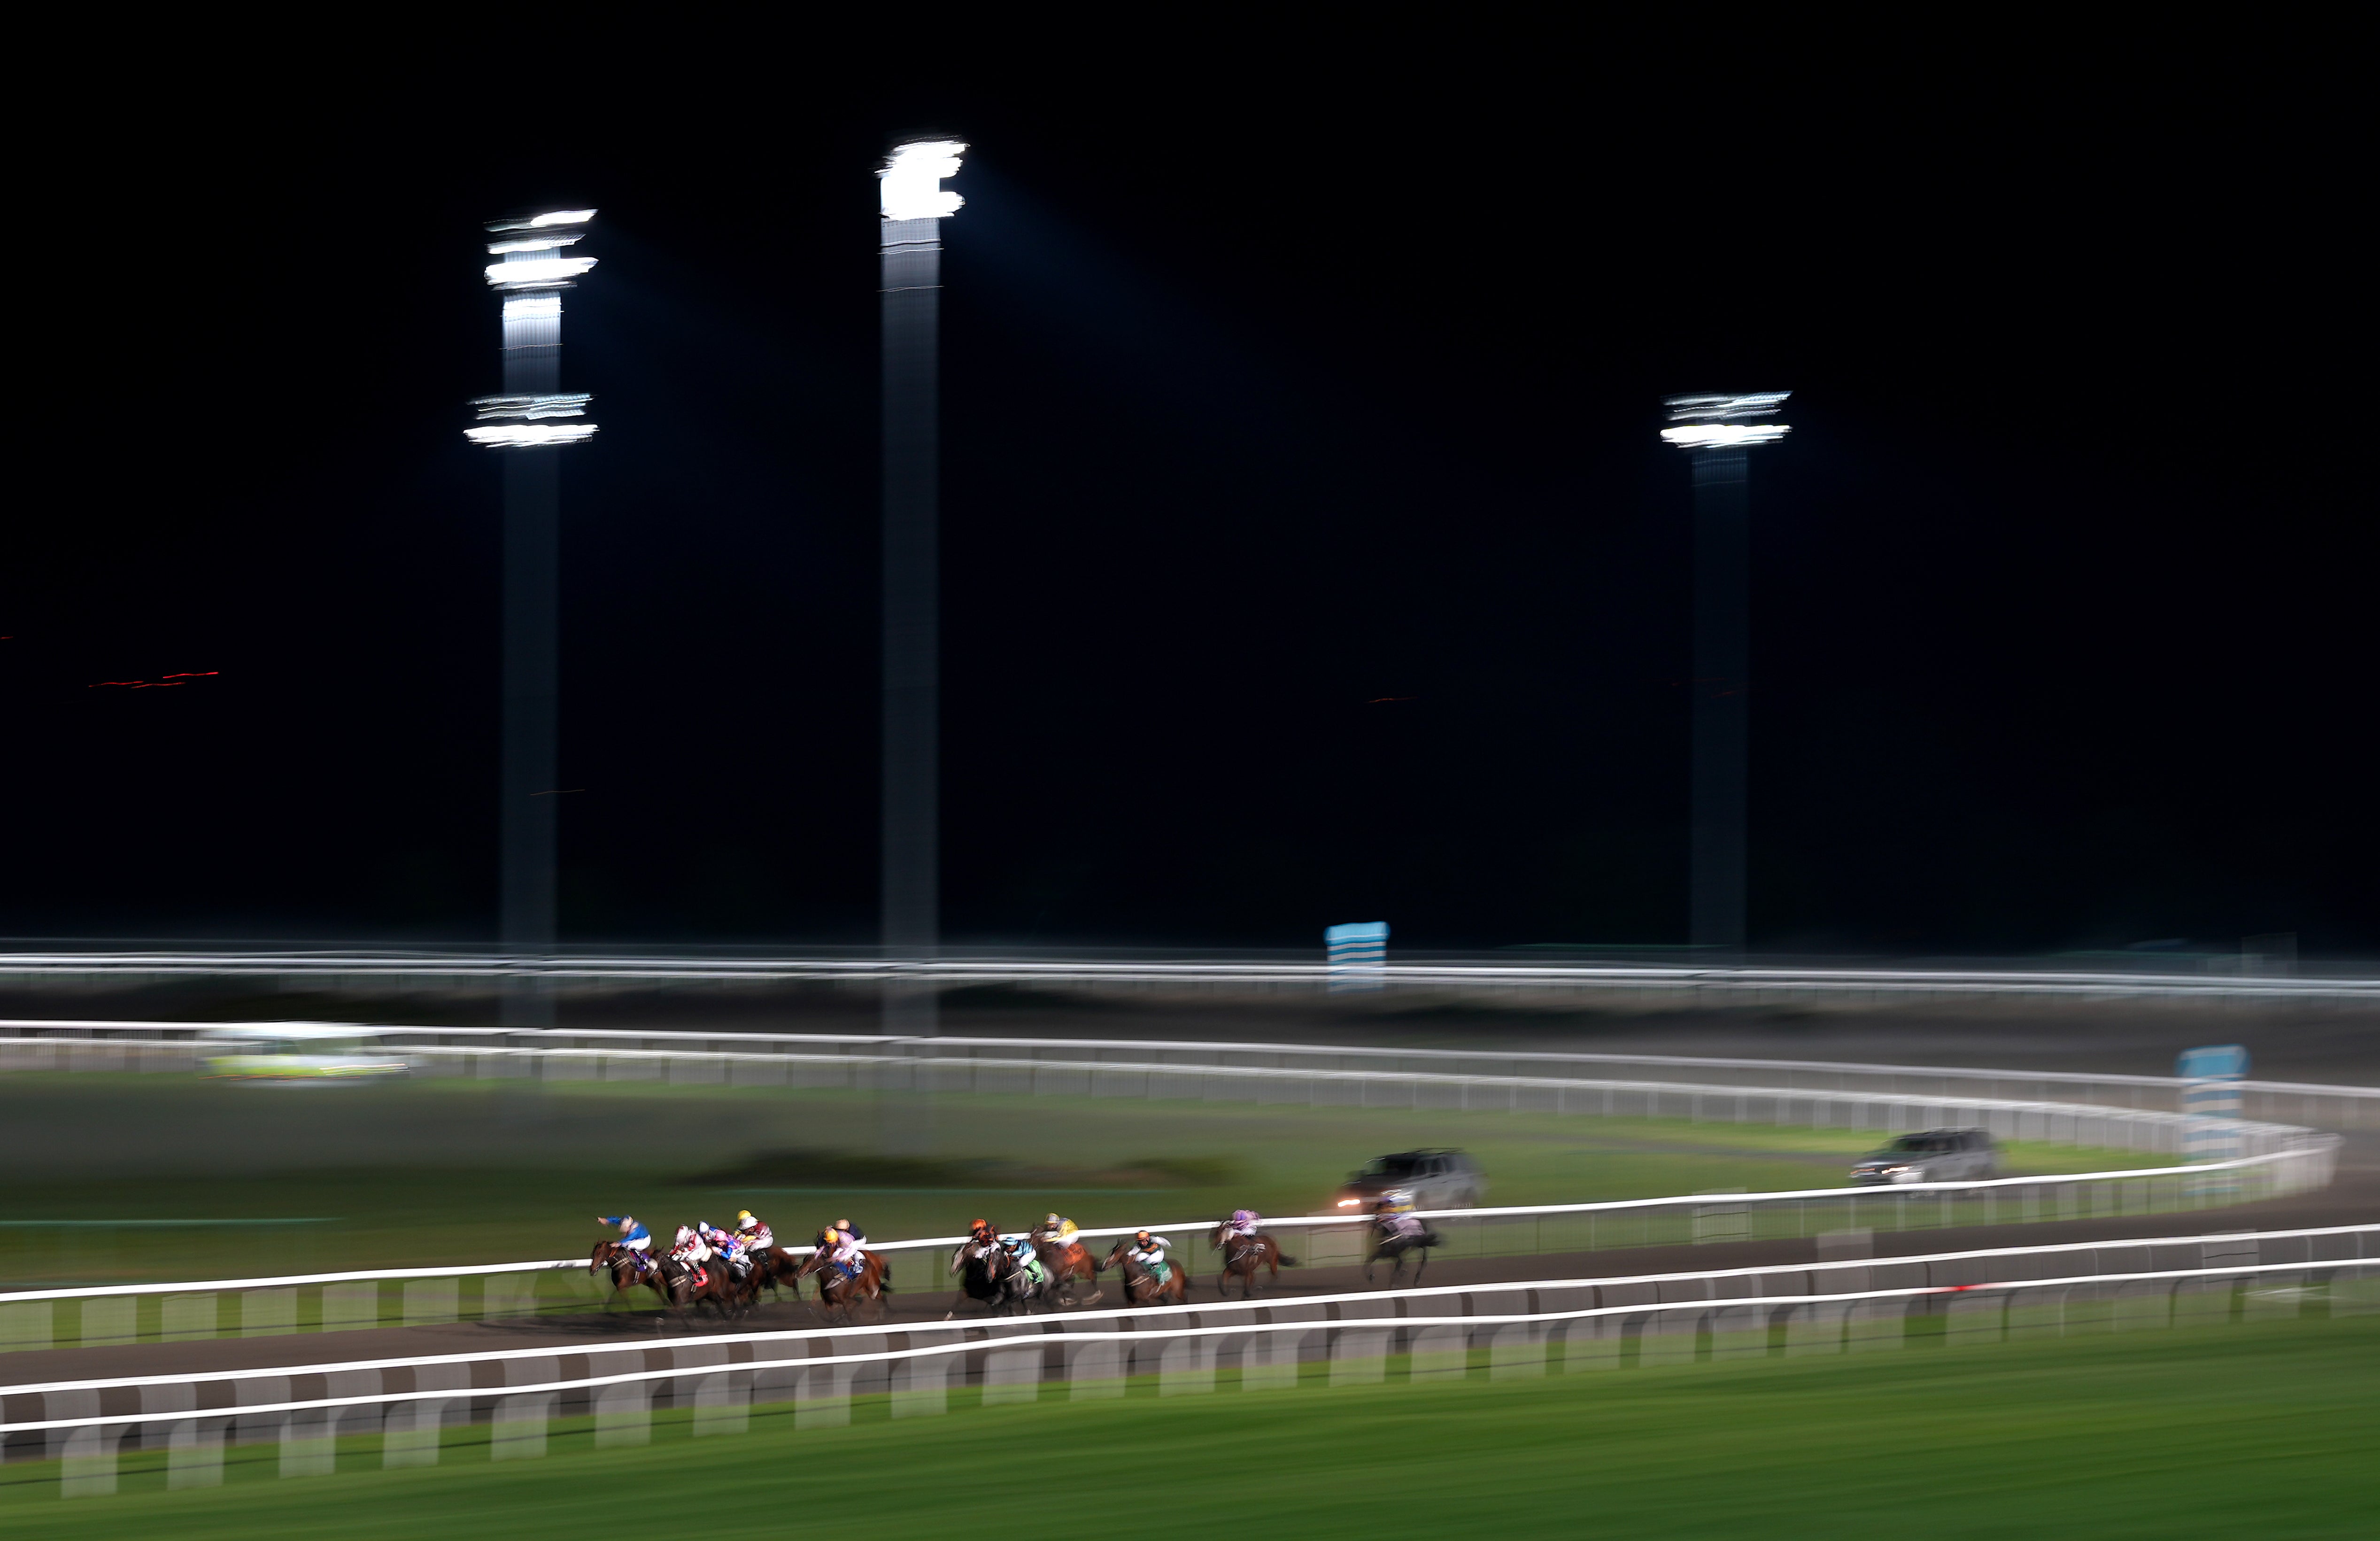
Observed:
{"x":914,"y":204}
{"x":529,"y":423}
{"x":1720,"y":431}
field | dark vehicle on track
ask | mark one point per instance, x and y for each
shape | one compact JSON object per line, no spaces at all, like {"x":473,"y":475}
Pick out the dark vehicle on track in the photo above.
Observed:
{"x":1935,"y":1156}
{"x":1425,"y":1179}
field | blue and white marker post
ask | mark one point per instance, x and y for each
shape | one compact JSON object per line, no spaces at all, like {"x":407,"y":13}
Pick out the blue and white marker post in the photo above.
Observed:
{"x":1359,"y":955}
{"x":2210,"y":1096}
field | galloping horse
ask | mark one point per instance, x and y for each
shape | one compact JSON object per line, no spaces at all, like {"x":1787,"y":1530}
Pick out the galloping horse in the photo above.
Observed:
{"x":1392,"y":1242}
{"x":1142,"y":1287}
{"x":988,"y":1273}
{"x":1067,"y":1263}
{"x":1242,"y":1255}
{"x":838,"y":1292}
{"x":775,"y":1266}
{"x":681,"y":1291}
{"x":627,"y":1274}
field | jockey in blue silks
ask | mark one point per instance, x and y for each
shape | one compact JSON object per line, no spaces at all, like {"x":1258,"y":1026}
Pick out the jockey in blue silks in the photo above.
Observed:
{"x":634,"y":1238}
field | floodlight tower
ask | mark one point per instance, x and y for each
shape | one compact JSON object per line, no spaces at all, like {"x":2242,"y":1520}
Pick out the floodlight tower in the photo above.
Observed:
{"x":914,"y":204}
{"x":1720,"y":431}
{"x":530,"y":422}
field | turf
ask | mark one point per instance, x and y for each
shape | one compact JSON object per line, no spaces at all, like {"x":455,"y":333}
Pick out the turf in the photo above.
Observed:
{"x":2254,"y":1430}
{"x":456,"y":1172}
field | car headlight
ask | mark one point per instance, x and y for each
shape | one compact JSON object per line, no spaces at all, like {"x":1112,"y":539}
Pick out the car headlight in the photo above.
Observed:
{"x":1905,"y":1174}
{"x":1349,"y":1203}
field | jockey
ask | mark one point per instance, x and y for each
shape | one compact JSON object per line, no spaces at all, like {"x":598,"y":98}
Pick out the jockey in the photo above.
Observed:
{"x":1148,"y":1251}
{"x":1059,"y":1229}
{"x":979,"y":1230}
{"x":841,"y":1248}
{"x":858,"y":1237}
{"x":693,"y":1251}
{"x":730,"y":1247}
{"x":1244,"y":1222}
{"x":635,"y":1240}
{"x":1394,"y":1216}
{"x":755,"y":1232}
{"x":1028,"y":1261}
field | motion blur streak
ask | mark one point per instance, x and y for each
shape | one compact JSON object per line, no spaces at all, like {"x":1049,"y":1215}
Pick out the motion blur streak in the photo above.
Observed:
{"x":530,"y":435}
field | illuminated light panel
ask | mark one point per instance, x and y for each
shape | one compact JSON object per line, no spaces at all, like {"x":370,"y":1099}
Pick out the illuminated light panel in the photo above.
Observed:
{"x":537,"y":269}
{"x":530,"y":435}
{"x":1725,"y":435}
{"x":532,"y":243}
{"x":910,"y":185}
{"x":543,"y":222}
{"x":532,"y":408}
{"x":1724,"y":409}
{"x":532,"y":307}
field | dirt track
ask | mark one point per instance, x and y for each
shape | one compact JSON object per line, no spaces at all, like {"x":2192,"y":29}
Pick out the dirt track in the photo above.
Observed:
{"x":2352,"y":1198}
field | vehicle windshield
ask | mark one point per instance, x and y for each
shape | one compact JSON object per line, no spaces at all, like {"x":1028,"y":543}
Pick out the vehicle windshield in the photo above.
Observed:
{"x":1390,"y":1166}
{"x":1919,"y":1143}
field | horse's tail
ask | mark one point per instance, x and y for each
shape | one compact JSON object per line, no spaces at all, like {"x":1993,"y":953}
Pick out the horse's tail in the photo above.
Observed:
{"x":1287,"y":1261}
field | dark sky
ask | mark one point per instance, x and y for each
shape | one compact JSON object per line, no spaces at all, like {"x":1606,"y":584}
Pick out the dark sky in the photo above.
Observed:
{"x":1309,"y":554}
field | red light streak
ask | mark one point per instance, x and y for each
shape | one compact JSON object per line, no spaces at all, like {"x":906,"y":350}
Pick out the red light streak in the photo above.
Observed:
{"x":164,"y":682}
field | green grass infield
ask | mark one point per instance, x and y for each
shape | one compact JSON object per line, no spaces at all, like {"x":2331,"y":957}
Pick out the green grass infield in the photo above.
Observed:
{"x":2258,"y":1430}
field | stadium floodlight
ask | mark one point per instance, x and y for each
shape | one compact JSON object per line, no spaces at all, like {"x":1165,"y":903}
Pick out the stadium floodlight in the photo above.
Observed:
{"x":1724,"y":435}
{"x":543,"y":222}
{"x":530,"y":435}
{"x":522,"y":270}
{"x":910,"y":185}
{"x":559,"y":405}
{"x":1717,"y":430}
{"x":532,"y":415}
{"x":909,"y":188}
{"x":1725,"y":422}
{"x":1725,"y":409}
{"x":532,"y":243}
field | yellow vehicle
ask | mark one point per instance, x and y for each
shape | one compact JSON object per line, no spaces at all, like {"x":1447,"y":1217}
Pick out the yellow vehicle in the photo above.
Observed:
{"x":298,"y":1051}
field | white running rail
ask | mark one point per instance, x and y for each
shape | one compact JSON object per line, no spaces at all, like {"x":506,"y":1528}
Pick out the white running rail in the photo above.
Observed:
{"x":1506,"y":1332}
{"x":115,"y":1314}
{"x":336,"y":969}
{"x":48,"y":1044}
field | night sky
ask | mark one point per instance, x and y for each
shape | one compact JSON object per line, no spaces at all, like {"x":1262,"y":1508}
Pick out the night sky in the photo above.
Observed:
{"x":1308,"y":551}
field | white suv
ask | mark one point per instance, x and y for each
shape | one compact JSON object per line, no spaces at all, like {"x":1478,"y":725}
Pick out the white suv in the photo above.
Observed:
{"x":1935,"y":1156}
{"x":1425,"y":1179}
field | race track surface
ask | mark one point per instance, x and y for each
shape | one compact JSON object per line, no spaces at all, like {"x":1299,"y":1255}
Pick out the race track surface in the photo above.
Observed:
{"x":2354,"y":1197}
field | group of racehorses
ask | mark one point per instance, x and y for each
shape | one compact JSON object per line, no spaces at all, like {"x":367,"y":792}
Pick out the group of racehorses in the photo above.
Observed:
{"x":729,"y":1289}
{"x":989,"y":1270}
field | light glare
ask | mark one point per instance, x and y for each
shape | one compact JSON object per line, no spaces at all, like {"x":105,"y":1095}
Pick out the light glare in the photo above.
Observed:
{"x":1723,"y":408}
{"x":531,"y":243}
{"x":530,"y":435}
{"x":910,"y":185}
{"x":1725,"y":435}
{"x":514,"y":271}
{"x":543,"y":222}
{"x":559,"y":405}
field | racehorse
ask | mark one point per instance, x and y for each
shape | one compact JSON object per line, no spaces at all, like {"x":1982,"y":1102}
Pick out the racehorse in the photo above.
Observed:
{"x":742,"y":1287}
{"x":990,"y":1272}
{"x":1392,"y":1242}
{"x":626,"y":1273}
{"x":839,"y":1292}
{"x":775,"y":1266}
{"x":1242,"y":1255}
{"x":1067,"y":1263}
{"x":1142,"y":1287}
{"x":682,"y":1293}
